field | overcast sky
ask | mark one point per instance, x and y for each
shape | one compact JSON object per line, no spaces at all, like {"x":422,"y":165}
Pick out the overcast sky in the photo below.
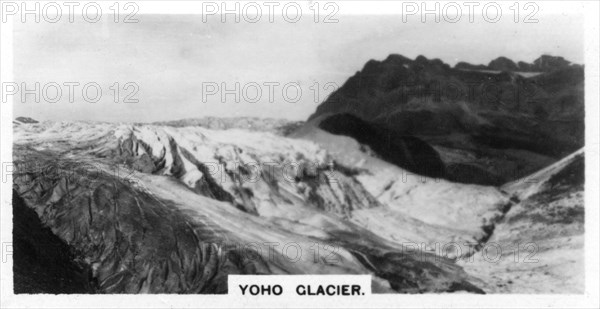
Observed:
{"x":171,"y":57}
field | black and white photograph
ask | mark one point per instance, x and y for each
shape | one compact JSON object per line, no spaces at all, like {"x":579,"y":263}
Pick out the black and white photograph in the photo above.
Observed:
{"x":291,"y":154}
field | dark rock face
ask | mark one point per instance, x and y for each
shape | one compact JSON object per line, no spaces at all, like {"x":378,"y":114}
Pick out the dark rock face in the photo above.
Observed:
{"x":408,"y":152}
{"x":547,"y":63}
{"x":43,"y":263}
{"x":503,"y":64}
{"x":25,"y":120}
{"x":498,"y":125}
{"x":570,"y":178}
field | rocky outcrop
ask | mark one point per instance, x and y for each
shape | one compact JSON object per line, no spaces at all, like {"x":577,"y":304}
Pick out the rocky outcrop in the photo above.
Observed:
{"x":407,"y":152}
{"x":42,"y":262}
{"x":503,"y":64}
{"x":21,"y":120}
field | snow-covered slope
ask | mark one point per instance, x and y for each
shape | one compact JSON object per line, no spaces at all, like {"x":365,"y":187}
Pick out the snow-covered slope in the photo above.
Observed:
{"x":272,"y":176}
{"x":539,"y":246}
{"x":148,"y":206}
{"x":417,"y":208}
{"x":537,"y":233}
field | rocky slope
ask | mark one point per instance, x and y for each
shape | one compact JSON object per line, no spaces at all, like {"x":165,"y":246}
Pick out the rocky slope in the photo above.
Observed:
{"x":489,"y":124}
{"x":541,"y":239}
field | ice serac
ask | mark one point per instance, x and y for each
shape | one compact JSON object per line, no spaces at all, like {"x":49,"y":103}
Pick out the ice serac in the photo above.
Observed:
{"x":164,"y":209}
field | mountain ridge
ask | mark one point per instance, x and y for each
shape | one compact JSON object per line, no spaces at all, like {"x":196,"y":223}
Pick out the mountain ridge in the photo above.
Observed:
{"x":544,"y":63}
{"x":498,"y":124}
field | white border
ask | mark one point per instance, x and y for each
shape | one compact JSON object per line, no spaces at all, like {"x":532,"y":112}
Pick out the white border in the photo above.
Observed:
{"x":589,"y":299}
